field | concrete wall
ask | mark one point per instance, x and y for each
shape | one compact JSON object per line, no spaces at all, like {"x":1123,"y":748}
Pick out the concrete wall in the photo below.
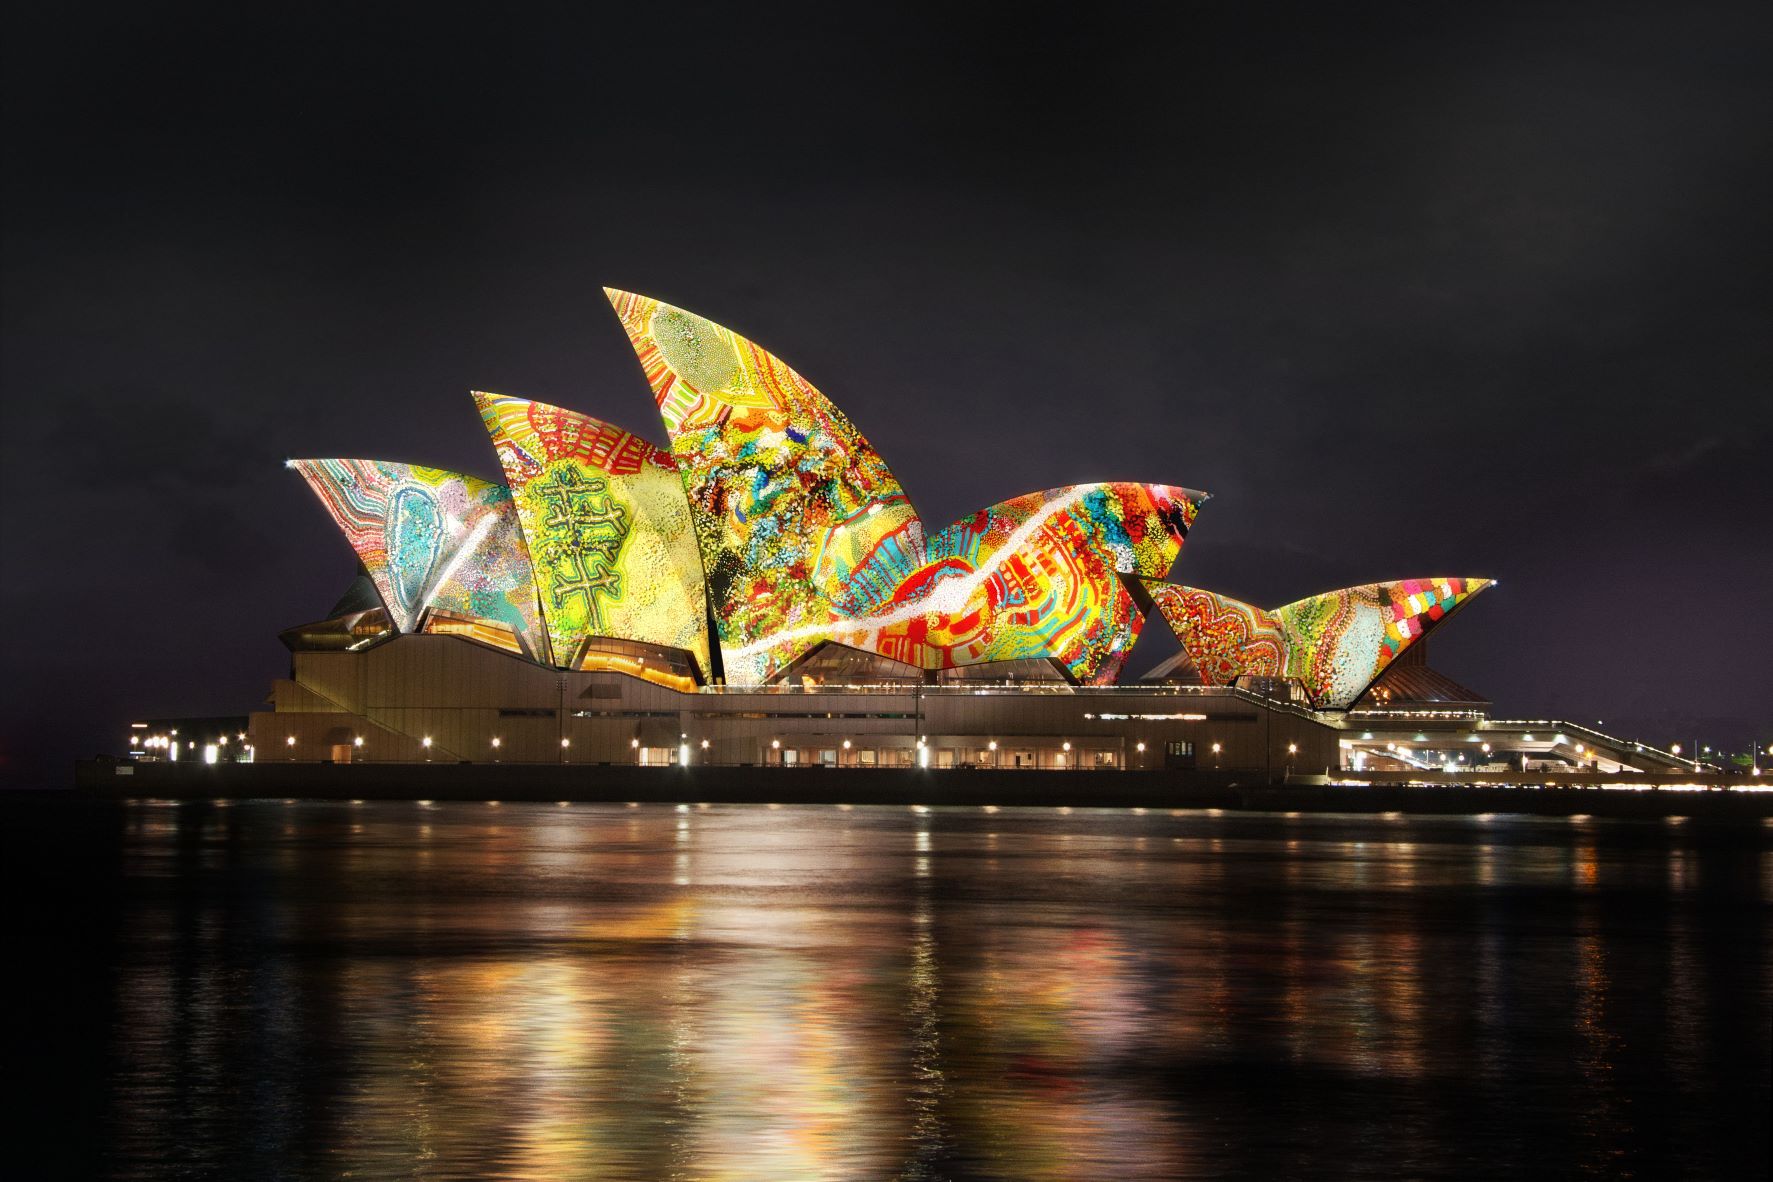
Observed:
{"x":463,"y":696}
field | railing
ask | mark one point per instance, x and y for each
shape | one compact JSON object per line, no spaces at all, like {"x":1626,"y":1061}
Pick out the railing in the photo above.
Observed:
{"x":1554,"y":729}
{"x":1558,"y":726}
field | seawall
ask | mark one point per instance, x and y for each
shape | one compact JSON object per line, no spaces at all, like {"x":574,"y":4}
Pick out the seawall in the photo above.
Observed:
{"x":901,"y":786}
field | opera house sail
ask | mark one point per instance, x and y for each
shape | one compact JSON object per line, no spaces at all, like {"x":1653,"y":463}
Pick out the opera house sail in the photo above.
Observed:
{"x":770,"y":543}
{"x":807,"y":537}
{"x":1335,"y":645}
{"x":437,"y":545}
{"x":607,"y":530}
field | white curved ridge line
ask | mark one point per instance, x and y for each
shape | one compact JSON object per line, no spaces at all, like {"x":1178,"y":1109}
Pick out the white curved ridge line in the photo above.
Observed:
{"x":950,"y":595}
{"x":463,"y":552}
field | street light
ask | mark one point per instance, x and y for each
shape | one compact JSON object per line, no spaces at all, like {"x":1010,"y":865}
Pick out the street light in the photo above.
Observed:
{"x":1216,"y":750}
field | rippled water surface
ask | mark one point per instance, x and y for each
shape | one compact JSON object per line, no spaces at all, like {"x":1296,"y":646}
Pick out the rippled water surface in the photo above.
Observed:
{"x":519,"y":991}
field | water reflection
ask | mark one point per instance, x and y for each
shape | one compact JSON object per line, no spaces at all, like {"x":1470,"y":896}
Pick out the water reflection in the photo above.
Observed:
{"x":650,"y":992}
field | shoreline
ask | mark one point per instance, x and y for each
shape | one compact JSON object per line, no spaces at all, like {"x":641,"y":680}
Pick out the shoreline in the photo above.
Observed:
{"x":1607,"y":797}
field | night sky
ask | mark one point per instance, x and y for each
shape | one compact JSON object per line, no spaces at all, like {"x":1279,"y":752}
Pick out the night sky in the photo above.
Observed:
{"x":1413,"y":290}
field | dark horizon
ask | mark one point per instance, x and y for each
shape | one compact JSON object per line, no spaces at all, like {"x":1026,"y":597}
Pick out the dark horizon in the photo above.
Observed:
{"x":1446,"y":292}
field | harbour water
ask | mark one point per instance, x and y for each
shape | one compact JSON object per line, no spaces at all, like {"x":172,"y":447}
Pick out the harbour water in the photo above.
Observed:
{"x":269,"y":989}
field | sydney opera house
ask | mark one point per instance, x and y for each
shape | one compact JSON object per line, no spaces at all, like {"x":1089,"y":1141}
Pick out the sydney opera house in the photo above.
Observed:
{"x":763,"y":592}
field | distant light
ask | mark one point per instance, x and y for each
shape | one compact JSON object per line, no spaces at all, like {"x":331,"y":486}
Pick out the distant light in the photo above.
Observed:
{"x":210,"y":753}
{"x":426,"y":741}
{"x":1292,"y":748}
{"x":290,"y":741}
{"x":496,"y":740}
{"x":775,"y":744}
{"x":358,"y":741}
{"x":1140,"y":746}
{"x":1067,"y":744}
{"x":992,"y":745}
{"x":846,"y":744}
{"x":566,"y":742}
{"x":705,"y":744}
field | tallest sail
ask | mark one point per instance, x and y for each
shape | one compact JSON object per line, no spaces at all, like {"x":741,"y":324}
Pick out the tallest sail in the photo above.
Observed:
{"x":789,"y":499}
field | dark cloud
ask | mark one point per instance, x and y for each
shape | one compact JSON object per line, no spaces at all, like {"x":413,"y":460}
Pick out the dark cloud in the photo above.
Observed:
{"x":1411,"y":289}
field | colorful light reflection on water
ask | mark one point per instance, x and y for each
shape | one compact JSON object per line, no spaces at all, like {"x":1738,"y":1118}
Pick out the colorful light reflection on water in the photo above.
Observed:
{"x":541,"y":992}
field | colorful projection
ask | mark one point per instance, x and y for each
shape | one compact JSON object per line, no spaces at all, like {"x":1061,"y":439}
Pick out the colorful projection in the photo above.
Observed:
{"x":789,"y":499}
{"x":433,"y":541}
{"x":608,"y":529}
{"x":1037,"y":576}
{"x":807,"y":537}
{"x":772,"y":516}
{"x":1335,"y":645}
